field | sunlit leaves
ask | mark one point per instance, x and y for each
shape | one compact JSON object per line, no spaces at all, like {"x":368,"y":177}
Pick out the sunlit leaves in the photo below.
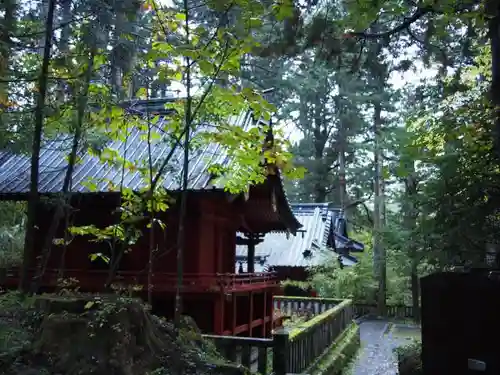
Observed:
{"x":453,"y":136}
{"x":141,"y":93}
{"x":94,"y":257}
{"x":457,"y":117}
{"x":283,"y":9}
{"x":180,"y":17}
{"x":218,"y":112}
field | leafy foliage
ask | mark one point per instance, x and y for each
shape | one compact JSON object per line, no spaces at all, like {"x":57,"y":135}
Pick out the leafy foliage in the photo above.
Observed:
{"x":120,"y":323}
{"x":458,"y":198}
{"x":11,"y":233}
{"x":428,"y":147}
{"x":409,"y":358}
{"x":359,"y":281}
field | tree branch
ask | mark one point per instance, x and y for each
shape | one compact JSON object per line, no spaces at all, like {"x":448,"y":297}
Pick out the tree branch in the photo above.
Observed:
{"x":408,"y":21}
{"x":368,"y":213}
{"x":359,"y":201}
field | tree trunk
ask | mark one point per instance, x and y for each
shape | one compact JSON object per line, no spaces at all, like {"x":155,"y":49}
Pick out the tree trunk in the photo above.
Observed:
{"x":64,"y":43}
{"x":415,"y":289}
{"x":493,"y":10}
{"x":410,"y":223}
{"x":7,"y":27}
{"x":33,"y":199}
{"x":378,"y":213}
{"x":320,"y":139}
{"x":44,"y":16}
{"x":152,"y":214}
{"x":181,"y":240}
{"x":342,"y":181}
{"x":8,"y":23}
{"x":62,"y":205}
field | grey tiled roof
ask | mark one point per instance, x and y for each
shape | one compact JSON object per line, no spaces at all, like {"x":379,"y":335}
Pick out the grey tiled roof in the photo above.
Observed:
{"x":15,"y":168}
{"x":323,"y":232}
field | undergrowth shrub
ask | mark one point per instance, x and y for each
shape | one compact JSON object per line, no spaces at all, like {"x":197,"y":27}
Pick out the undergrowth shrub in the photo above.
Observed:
{"x":16,"y":316}
{"x":358,"y":282}
{"x":99,"y":334}
{"x":12,"y":219}
{"x":410,"y":358}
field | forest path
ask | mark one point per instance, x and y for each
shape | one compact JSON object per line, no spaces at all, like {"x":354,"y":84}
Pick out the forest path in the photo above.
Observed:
{"x":379,"y":338}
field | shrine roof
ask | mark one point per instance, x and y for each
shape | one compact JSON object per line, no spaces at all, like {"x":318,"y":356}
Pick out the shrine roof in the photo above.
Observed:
{"x":15,"y":168}
{"x":90,"y":169}
{"x":323,"y":232}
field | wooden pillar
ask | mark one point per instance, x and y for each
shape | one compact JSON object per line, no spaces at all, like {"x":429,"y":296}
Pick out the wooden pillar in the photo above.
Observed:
{"x":251,"y":255}
{"x":219,"y":315}
{"x":264,"y":326}
{"x":219,"y":244}
{"x":281,"y":342}
{"x":223,"y":312}
{"x":250,"y":317}
{"x":234,"y":314}
{"x":270,"y":310}
{"x":252,"y":240}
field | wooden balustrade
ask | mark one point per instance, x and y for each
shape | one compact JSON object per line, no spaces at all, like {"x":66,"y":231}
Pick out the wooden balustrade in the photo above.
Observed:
{"x":288,"y":305}
{"x":309,"y":340}
{"x":392,"y":311}
{"x":253,"y":353}
{"x":293,"y":350}
{"x":161,"y":281}
{"x":291,"y":305}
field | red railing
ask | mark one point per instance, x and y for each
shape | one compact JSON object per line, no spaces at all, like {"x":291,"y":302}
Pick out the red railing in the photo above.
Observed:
{"x":160,"y":281}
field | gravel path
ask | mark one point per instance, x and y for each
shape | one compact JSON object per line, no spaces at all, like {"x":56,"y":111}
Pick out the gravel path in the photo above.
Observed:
{"x":376,"y":356}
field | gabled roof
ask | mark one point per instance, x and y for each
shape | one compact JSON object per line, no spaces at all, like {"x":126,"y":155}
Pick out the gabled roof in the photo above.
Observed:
{"x":15,"y":168}
{"x":323,"y":232}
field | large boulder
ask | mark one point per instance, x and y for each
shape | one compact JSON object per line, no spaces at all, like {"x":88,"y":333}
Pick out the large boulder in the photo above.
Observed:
{"x":110,"y":335}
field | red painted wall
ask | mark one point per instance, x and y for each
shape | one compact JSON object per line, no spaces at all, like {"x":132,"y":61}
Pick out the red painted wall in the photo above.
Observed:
{"x":210,"y":231}
{"x":209,"y":236}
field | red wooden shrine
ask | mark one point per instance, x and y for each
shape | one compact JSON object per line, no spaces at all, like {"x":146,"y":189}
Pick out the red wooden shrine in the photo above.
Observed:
{"x":219,"y":300}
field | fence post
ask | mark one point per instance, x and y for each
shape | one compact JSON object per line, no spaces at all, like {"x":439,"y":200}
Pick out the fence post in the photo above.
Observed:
{"x":280,"y":352}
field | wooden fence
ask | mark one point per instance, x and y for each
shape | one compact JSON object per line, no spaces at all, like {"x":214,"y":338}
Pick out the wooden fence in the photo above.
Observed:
{"x":253,"y":353}
{"x":290,"y":305}
{"x":292,"y":350}
{"x":295,"y":349}
{"x":393,"y":311}
{"x":305,"y":343}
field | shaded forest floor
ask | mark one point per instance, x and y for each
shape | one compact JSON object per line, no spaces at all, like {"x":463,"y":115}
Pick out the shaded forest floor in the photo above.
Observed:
{"x":102,"y":335}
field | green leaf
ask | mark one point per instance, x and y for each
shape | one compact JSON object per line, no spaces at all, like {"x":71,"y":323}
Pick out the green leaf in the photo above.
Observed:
{"x":402,"y":171}
{"x":142,"y":93}
{"x":180,"y":17}
{"x":206,"y":67}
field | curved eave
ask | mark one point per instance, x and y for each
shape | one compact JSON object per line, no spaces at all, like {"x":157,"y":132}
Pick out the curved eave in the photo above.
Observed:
{"x":283,"y":204}
{"x":265,"y":208}
{"x":349,"y":244}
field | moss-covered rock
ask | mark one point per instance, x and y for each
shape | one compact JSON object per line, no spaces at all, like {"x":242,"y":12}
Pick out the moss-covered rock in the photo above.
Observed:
{"x":108,"y":335}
